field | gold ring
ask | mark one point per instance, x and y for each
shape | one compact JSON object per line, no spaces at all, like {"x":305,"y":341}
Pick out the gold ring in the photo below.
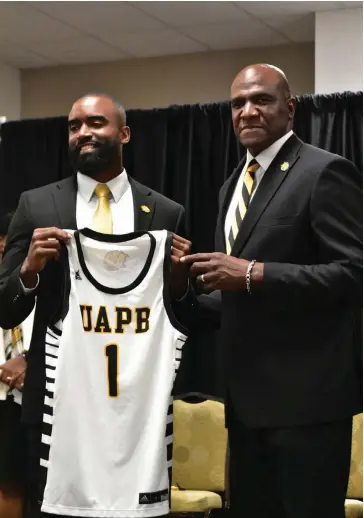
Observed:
{"x":202,"y":277}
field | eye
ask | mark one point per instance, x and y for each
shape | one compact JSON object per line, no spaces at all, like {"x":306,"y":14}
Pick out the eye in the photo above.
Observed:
{"x":72,"y":128}
{"x":263,"y":100}
{"x":237,"y":103}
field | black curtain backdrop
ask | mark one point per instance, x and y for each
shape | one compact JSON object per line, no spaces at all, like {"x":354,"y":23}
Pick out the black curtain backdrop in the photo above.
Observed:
{"x":186,"y":153}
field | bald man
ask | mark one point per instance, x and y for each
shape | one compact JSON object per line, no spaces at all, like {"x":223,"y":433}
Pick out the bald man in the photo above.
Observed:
{"x":97,"y":133}
{"x":289,"y":266}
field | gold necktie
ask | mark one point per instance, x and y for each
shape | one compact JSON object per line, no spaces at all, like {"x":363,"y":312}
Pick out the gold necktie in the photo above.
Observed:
{"x":243,"y":204}
{"x":102,"y":220}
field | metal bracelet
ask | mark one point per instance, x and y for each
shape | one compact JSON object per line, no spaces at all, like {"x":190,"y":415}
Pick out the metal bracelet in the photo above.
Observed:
{"x":248,"y":275}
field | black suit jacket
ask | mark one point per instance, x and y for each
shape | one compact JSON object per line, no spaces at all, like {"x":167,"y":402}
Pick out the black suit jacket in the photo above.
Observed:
{"x":55,"y":205}
{"x":291,"y":347}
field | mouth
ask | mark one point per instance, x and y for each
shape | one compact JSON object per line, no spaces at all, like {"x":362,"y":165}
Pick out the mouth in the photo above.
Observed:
{"x":251,"y":128}
{"x":89,"y":146}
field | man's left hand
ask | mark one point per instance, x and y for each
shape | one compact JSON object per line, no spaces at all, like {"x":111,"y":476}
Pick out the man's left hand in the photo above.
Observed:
{"x":179,"y":271}
{"x":217,"y":271}
{"x":13,"y":372}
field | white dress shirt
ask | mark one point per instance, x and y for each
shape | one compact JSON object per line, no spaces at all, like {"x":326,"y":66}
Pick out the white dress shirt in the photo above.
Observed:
{"x":264,"y":159}
{"x":121,"y":202}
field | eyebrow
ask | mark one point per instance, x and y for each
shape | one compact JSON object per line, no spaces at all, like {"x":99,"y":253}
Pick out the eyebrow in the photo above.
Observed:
{"x":89,"y":118}
{"x":253,"y":95}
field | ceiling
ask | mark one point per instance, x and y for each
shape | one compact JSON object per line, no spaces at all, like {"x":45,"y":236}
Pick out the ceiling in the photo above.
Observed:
{"x":41,"y":34}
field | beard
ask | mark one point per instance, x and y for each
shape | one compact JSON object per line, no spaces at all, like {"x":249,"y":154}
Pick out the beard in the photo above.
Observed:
{"x":99,"y":158}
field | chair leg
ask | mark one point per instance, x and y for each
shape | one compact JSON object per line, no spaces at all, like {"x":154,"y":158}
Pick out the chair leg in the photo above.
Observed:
{"x":227,"y":476}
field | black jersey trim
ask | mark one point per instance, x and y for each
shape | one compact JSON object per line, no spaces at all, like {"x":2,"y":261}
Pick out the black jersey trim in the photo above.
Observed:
{"x":166,"y":287}
{"x":114,"y":238}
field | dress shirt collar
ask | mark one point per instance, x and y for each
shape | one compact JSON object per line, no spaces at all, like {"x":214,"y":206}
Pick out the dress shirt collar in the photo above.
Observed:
{"x":266,"y":157}
{"x":117,"y":186}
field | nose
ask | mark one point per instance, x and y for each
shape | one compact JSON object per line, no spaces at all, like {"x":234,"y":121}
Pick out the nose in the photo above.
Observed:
{"x":249,"y":110}
{"x":84,"y":131}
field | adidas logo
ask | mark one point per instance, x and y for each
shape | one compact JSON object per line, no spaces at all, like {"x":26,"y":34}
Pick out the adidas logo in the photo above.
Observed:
{"x":144,"y":499}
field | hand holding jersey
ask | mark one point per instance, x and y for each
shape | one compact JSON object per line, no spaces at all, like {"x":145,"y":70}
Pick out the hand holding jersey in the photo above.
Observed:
{"x":46,"y":245}
{"x":181,"y":247}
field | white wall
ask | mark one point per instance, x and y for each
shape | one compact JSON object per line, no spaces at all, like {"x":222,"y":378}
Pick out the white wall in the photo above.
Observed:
{"x":155,"y":82}
{"x":10,"y":92}
{"x":339,"y":51}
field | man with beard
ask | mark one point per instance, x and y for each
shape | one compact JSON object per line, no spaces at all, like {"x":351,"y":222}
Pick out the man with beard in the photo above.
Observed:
{"x":100,"y":196}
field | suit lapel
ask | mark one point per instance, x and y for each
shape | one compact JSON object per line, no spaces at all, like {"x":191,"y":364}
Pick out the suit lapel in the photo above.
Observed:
{"x":226,"y":195}
{"x":64,"y":195}
{"x":144,"y":205}
{"x":272,"y":179}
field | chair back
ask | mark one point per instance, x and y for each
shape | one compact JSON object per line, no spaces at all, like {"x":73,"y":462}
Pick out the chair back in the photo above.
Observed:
{"x":199,"y":445}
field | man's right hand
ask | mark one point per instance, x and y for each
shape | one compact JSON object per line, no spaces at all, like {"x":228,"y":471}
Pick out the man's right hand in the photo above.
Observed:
{"x":45,"y":245}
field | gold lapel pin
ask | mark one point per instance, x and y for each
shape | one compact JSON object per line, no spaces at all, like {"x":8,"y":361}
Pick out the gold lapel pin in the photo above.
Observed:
{"x":284,"y":166}
{"x":145,"y":208}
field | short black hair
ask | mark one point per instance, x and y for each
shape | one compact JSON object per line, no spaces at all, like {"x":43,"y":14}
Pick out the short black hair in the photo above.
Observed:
{"x":5,"y":219}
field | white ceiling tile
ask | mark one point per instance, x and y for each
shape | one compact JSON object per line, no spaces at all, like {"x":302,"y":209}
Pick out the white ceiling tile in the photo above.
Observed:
{"x":265,"y":9}
{"x":20,"y":22}
{"x":84,"y":49}
{"x":51,"y":33}
{"x":100,"y":18}
{"x":28,"y":60}
{"x":298,"y":28}
{"x":355,"y":4}
{"x":180,"y":14}
{"x":159,"y":43}
{"x":21,"y":57}
{"x":235,"y":35}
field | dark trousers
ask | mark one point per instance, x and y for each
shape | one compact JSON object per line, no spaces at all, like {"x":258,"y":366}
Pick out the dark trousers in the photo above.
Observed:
{"x":298,"y":472}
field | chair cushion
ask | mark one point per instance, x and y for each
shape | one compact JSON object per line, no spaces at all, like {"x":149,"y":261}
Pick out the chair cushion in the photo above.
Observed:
{"x":190,"y":500}
{"x":199,"y":445}
{"x":353,"y":509}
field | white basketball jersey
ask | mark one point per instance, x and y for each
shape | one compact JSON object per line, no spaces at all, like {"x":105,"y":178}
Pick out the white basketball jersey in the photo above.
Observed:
{"x":110,"y":368}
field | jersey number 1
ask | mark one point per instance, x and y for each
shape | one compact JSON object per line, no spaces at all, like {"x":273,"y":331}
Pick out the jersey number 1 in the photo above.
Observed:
{"x":112,"y":368}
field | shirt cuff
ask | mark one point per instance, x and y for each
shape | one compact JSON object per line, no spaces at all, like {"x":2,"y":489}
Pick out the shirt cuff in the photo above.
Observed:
{"x":28,"y":291}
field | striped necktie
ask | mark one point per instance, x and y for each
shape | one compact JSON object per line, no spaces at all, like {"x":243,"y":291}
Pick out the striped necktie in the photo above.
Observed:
{"x":243,"y":204}
{"x":102,"y":220}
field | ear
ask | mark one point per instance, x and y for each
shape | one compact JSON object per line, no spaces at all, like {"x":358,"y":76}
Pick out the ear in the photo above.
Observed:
{"x":291,"y":103}
{"x":124,"y":134}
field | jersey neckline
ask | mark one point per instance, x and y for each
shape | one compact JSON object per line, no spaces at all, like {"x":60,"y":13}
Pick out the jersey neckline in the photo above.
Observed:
{"x":114,"y":238}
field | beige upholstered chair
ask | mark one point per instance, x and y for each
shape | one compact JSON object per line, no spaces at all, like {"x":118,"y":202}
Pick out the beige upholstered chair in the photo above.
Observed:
{"x":199,"y":448}
{"x":353,"y":504}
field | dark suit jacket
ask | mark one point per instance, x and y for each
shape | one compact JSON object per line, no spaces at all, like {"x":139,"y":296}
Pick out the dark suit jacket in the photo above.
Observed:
{"x":291,"y":346}
{"x":55,"y":205}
